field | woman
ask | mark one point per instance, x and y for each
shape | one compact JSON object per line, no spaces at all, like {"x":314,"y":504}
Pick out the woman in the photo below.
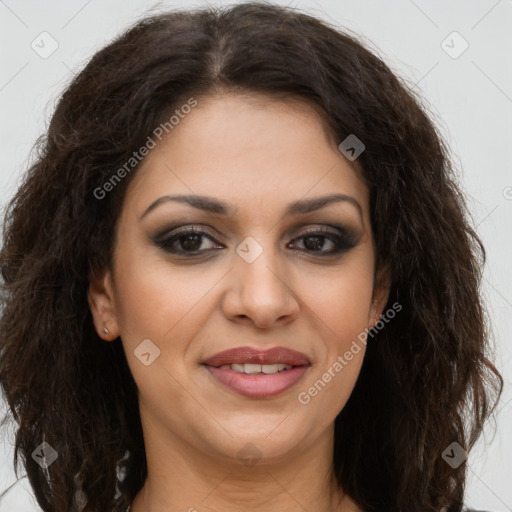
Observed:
{"x":247,"y":279}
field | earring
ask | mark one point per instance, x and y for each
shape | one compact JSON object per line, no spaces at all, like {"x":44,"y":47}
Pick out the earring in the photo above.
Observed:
{"x":105,"y":330}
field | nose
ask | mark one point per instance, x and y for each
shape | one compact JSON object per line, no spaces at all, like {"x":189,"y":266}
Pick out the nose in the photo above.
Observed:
{"x":260,"y":291}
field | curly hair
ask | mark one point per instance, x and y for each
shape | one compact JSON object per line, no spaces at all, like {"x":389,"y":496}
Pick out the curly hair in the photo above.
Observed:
{"x":427,"y":378}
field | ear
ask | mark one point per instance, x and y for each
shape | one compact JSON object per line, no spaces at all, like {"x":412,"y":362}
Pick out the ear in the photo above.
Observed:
{"x":101,"y":302}
{"x":381,"y":289}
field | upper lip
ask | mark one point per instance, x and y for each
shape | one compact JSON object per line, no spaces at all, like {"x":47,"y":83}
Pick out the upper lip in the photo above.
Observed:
{"x":242,"y":355}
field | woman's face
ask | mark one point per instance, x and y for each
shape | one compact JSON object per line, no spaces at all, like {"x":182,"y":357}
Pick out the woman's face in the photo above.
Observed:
{"x":258,"y":275}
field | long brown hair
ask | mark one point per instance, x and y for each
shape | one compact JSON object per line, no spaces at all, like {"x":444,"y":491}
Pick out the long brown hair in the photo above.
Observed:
{"x":426,"y":380}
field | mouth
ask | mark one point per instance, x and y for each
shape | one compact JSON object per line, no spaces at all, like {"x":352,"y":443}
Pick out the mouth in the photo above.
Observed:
{"x":257,"y":374}
{"x":251,"y":368}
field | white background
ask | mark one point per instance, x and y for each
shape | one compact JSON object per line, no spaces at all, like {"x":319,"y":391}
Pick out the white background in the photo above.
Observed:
{"x":471,"y":97}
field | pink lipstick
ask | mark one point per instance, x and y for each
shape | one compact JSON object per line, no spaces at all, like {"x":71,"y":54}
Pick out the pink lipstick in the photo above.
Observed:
{"x":258,"y":374}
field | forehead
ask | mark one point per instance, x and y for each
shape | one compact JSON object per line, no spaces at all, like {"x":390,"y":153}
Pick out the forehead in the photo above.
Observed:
{"x":248,"y":150}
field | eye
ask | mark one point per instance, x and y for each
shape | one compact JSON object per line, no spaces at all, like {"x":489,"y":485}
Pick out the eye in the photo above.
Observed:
{"x":188,"y":240}
{"x":315,"y":239}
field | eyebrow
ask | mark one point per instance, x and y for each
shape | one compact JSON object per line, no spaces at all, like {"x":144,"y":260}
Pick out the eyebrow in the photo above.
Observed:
{"x":212,"y":205}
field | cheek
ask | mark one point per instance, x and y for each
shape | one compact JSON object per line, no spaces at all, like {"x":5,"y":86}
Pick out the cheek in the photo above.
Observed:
{"x":161,"y":306}
{"x":341,"y":304}
{"x":153,"y":298}
{"x":165,"y":304}
{"x":341,"y":301}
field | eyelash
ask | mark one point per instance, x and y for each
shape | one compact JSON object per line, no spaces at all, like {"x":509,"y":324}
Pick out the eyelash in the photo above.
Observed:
{"x":343,"y":242}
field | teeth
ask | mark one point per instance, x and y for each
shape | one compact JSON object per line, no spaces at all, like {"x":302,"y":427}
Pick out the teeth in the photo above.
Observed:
{"x":268,"y":369}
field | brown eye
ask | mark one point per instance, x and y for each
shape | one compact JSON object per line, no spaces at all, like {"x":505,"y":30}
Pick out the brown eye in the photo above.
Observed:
{"x":189,"y":240}
{"x":314,"y":241}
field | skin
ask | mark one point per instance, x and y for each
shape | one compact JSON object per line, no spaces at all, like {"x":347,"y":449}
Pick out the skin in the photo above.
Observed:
{"x":257,"y":154}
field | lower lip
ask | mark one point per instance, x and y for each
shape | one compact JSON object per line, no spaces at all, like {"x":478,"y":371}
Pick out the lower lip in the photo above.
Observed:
{"x":258,"y":385}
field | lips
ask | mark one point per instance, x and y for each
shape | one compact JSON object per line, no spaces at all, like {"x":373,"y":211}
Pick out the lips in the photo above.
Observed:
{"x":248,"y":355}
{"x":257,"y":374}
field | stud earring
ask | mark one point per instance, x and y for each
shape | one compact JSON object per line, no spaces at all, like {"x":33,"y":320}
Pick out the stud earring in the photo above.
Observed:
{"x":105,"y":330}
